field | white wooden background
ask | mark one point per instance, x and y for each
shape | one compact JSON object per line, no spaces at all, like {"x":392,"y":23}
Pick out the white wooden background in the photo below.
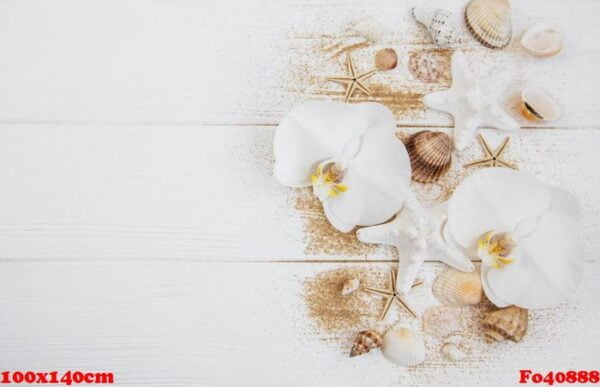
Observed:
{"x":142,"y":231}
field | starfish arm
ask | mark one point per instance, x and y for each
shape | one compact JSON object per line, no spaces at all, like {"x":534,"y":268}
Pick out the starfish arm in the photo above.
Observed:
{"x":506,"y":164}
{"x":349,"y":90}
{"x":486,"y":148}
{"x":350,"y":66}
{"x":405,"y":306}
{"x":480,"y":162}
{"x":386,"y":308}
{"x":408,"y":268}
{"x":378,"y":292}
{"x":440,"y":100}
{"x":363,"y":88}
{"x":367,"y":75}
{"x":344,"y":80}
{"x":382,"y":233}
{"x":464,"y":130}
{"x":495,"y":116}
{"x":452,"y":257}
{"x":498,"y":152}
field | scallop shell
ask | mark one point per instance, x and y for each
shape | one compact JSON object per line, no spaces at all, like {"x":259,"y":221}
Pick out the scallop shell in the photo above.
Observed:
{"x":403,"y":347}
{"x":537,"y":105}
{"x":430,"y":155}
{"x":386,"y":59}
{"x":441,"y":320}
{"x":543,"y":39}
{"x":365,"y":341}
{"x":440,"y":24}
{"x":489,"y":21}
{"x":350,"y":286}
{"x":454,"y":288}
{"x":452,"y":352}
{"x":505,"y":324}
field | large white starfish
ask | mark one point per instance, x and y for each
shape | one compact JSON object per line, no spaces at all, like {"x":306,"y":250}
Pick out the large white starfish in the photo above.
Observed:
{"x":417,"y":234}
{"x":472,"y":101}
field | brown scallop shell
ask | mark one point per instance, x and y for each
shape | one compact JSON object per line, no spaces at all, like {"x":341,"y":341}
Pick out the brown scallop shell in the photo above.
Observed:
{"x":365,"y":341}
{"x":505,"y":324}
{"x":430,"y":155}
{"x":489,"y":21}
{"x":386,"y":59}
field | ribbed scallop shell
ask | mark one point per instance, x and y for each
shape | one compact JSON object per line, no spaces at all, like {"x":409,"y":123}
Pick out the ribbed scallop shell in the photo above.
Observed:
{"x":454,"y":288}
{"x":505,"y":324}
{"x":403,"y":347}
{"x":440,"y":24}
{"x":430,"y":155}
{"x":489,"y":21}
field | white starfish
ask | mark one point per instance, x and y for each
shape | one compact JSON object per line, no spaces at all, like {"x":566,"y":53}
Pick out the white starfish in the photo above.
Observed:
{"x":417,"y":234}
{"x":472,"y":101}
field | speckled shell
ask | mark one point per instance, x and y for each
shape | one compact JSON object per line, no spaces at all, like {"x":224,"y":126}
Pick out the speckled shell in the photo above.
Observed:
{"x":440,"y":24}
{"x":505,"y":324}
{"x":430,"y":155}
{"x":489,"y":22}
{"x":454,"y":288}
{"x":403,"y":347}
{"x":365,"y":341}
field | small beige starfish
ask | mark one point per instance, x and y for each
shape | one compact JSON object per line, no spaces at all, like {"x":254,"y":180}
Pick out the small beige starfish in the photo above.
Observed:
{"x":390,"y":294}
{"x":492,"y":157}
{"x":353,"y":81}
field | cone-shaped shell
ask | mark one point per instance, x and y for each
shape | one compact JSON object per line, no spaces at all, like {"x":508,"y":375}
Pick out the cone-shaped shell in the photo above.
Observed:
{"x":403,"y":347}
{"x":430,"y":155}
{"x":489,"y":21}
{"x":454,"y":288}
{"x":440,"y":24}
{"x":365,"y":341}
{"x":505,"y":324}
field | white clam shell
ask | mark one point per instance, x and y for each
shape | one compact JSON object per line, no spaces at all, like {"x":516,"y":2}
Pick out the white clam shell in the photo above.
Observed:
{"x":440,"y":24}
{"x":543,"y":39}
{"x":540,"y":105}
{"x":403,"y":347}
{"x":548,"y":257}
{"x":360,"y":136}
{"x":452,"y":352}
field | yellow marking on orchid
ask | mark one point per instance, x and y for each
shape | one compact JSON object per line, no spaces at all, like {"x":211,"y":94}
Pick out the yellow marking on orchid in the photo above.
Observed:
{"x":327,"y":181}
{"x":493,"y":249}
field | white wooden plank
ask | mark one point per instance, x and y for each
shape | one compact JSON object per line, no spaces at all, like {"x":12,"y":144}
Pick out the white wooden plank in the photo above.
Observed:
{"x":246,"y":62}
{"x":247,"y":324}
{"x":188,"y":193}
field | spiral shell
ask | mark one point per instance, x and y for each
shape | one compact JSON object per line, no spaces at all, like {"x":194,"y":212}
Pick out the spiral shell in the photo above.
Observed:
{"x":365,"y":341}
{"x":440,"y":24}
{"x":505,"y":324}
{"x":430,"y":155}
{"x":403,"y":347}
{"x":489,"y":22}
{"x":454,"y":288}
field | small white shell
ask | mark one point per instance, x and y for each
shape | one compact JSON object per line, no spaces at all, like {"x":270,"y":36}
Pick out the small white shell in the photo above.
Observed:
{"x":369,"y":27}
{"x":441,"y":320}
{"x":543,"y":39}
{"x":537,"y":105}
{"x":440,"y":24}
{"x":403,"y":347}
{"x":350,"y":286}
{"x":452,"y":352}
{"x":454,"y":288}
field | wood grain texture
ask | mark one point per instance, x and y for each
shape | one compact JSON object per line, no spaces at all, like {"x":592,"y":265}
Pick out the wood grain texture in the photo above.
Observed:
{"x":240,"y":62}
{"x":208,"y":194}
{"x":189,"y":324}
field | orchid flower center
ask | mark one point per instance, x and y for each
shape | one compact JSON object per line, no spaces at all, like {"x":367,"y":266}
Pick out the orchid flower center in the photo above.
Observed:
{"x":494,"y":249}
{"x":326,"y":180}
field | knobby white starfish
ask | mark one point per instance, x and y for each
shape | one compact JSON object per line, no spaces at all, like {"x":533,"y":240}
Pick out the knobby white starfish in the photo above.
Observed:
{"x":417,"y":234}
{"x":472,"y":101}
